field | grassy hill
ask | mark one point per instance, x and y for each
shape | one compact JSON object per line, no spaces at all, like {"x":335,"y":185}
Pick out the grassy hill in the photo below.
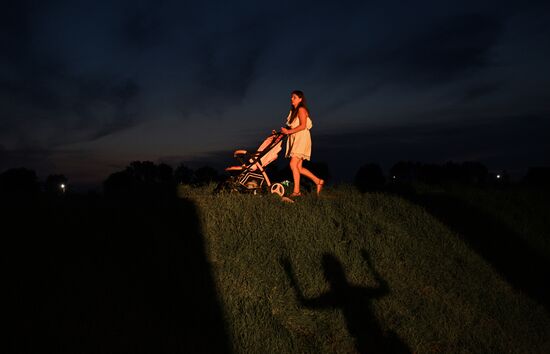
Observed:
{"x":424,"y":270}
{"x":353,"y":271}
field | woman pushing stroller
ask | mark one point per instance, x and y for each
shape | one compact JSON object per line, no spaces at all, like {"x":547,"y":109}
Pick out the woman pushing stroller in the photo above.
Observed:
{"x":298,"y":144}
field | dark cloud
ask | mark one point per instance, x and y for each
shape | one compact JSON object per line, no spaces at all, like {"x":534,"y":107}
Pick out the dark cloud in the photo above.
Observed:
{"x":45,"y":103}
{"x":478,"y":91}
{"x":227,"y":67}
{"x":144,"y":26}
{"x":453,"y":47}
{"x":230,"y":56}
{"x":444,"y":48}
{"x":117,"y":96}
{"x":62,"y":109}
{"x":15,"y":31}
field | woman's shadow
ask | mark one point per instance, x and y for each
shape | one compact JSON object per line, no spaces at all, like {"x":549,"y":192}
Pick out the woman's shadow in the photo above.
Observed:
{"x":122,"y":275}
{"x":355,"y":304}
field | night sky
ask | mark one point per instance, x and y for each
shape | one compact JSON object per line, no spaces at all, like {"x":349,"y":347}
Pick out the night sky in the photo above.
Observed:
{"x":86,"y":87}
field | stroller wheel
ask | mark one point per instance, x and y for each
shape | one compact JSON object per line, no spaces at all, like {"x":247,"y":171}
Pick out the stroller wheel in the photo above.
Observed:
{"x":278,"y":189}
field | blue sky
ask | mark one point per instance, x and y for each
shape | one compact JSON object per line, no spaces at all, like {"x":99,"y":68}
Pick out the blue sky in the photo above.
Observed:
{"x":87,"y":87}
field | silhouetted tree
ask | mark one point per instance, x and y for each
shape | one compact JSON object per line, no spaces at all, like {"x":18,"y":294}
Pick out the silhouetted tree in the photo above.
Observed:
{"x":165,"y":174}
{"x":141,"y":180}
{"x":469,"y":172}
{"x":475,"y":173}
{"x":434,"y":174}
{"x":369,"y":177}
{"x":19,"y":183}
{"x":205,"y":175}
{"x":119,"y":184}
{"x":538,"y":176}
{"x":184,"y":174}
{"x":404,"y":172}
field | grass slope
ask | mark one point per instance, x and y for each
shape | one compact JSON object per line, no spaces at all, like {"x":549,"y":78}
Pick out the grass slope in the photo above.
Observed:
{"x":359,"y":272}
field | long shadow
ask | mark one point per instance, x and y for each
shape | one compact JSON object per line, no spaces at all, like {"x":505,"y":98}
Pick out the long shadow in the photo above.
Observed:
{"x":510,"y":255}
{"x":92,"y":275}
{"x":355,"y":303}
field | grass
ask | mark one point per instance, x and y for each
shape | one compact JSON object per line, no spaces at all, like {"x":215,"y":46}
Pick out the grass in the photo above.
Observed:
{"x":433,"y":270}
{"x":522,"y":210}
{"x":441,"y":296}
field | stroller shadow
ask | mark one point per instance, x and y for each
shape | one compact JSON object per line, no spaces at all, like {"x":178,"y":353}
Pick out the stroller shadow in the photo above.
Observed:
{"x":509,"y":254}
{"x":354,"y":302}
{"x":97,"y":275}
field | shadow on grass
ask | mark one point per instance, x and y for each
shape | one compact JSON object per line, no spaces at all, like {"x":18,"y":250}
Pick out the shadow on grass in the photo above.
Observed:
{"x":355,"y":303}
{"x":509,"y":254}
{"x":92,"y":275}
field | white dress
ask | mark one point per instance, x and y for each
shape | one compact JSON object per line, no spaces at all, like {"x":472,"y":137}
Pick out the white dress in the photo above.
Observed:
{"x":299,"y":143}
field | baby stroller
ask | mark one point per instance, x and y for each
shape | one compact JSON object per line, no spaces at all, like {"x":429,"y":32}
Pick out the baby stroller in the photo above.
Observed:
{"x":250,"y":175}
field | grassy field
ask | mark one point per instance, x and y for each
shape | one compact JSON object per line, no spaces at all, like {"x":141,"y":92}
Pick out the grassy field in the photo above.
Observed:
{"x":371,"y":272}
{"x":424,"y":270}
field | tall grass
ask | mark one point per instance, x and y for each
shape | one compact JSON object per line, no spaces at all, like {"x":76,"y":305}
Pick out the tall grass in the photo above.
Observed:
{"x":442,"y":296}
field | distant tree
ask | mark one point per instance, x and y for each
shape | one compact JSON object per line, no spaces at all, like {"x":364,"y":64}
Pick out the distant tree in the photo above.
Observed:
{"x":119,"y":184}
{"x":466,"y":173}
{"x":404,"y":172}
{"x":369,"y":177}
{"x":141,"y":179}
{"x":19,"y":183}
{"x":450,"y":172}
{"x":538,"y":176}
{"x":184,"y":174}
{"x":205,"y":175}
{"x":475,"y":173}
{"x":165,"y":174}
{"x":144,"y":172}
{"x":429,"y":173}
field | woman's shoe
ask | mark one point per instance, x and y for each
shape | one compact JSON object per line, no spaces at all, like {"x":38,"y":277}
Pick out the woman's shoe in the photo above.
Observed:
{"x":320,"y":186}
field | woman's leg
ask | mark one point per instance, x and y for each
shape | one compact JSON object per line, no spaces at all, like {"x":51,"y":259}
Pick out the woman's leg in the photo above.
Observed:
{"x":318,"y":182}
{"x":308,"y":173}
{"x":295,"y":163}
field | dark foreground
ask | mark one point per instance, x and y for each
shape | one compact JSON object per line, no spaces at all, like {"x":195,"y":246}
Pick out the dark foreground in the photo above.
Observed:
{"x":88,"y":275}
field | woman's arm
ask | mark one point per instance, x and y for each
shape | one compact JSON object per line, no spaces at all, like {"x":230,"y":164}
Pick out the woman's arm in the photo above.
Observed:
{"x":302,"y":116}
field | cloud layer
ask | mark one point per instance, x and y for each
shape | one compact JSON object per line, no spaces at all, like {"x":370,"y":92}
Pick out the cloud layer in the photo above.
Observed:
{"x":75,"y":75}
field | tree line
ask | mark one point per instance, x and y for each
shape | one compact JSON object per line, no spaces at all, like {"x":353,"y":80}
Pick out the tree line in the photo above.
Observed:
{"x":145,"y":178}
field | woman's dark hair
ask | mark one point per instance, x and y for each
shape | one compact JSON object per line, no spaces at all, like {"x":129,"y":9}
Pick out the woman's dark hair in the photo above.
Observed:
{"x":294,"y":111}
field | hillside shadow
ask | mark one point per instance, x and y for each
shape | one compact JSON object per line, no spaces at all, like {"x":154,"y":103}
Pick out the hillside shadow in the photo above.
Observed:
{"x":505,"y":250}
{"x":90,"y":275}
{"x":355,"y":302}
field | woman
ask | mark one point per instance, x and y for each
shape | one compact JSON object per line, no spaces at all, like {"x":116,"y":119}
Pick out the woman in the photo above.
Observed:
{"x":298,"y":144}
